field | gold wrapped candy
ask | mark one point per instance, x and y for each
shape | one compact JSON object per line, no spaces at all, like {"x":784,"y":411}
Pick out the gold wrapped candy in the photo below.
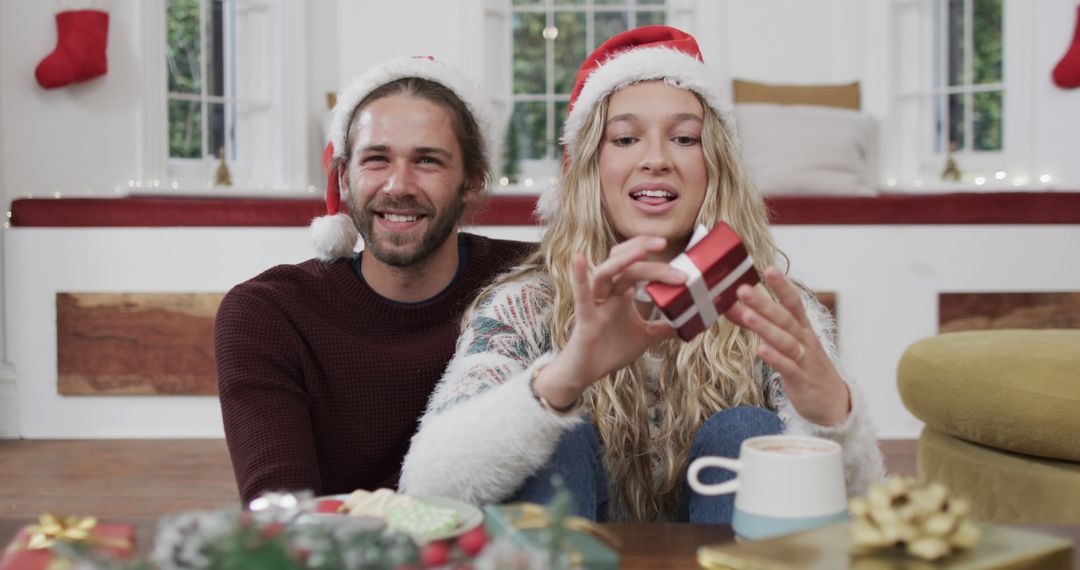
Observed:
{"x":920,"y":518}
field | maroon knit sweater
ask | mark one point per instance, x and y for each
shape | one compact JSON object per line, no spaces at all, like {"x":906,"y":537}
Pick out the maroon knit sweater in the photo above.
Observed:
{"x":322,"y":380}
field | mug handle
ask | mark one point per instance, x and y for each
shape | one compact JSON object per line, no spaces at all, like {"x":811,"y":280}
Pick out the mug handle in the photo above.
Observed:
{"x":714,"y":489}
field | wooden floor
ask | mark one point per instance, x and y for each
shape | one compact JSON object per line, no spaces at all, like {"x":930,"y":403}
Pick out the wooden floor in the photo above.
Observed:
{"x":116,"y":479}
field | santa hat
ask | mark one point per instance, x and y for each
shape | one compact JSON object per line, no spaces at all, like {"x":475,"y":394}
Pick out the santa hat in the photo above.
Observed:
{"x":642,"y":54}
{"x":334,"y":235}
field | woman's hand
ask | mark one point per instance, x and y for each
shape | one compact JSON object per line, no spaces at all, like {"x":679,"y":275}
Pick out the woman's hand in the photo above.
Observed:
{"x":791,"y":347}
{"x":609,"y":332}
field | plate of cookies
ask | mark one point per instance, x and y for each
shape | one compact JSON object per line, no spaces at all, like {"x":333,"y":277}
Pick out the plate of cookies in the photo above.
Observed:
{"x":424,"y":518}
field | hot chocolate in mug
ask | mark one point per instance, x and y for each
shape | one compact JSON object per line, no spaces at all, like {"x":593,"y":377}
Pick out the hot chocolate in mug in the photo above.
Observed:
{"x":783,"y":484}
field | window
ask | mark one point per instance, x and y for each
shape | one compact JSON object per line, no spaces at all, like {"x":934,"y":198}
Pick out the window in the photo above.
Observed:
{"x":952,"y":91}
{"x":202,"y":107}
{"x":219,"y":76}
{"x":968,"y":75}
{"x":550,"y":39}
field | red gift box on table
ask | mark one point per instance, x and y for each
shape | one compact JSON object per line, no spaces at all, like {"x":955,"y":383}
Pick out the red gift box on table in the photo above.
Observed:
{"x":32,"y":547}
{"x":715,"y":263}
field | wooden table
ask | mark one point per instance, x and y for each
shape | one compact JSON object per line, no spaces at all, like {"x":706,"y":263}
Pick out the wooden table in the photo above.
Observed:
{"x":665,"y":546}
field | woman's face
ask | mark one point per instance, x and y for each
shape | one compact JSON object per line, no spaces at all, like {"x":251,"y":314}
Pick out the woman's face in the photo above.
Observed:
{"x":652,"y":168}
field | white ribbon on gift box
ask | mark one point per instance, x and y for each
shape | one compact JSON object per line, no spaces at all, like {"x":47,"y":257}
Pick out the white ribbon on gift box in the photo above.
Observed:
{"x":695,"y":283}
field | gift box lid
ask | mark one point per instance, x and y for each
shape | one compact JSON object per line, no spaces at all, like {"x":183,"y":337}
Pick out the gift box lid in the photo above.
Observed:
{"x":716,"y":255}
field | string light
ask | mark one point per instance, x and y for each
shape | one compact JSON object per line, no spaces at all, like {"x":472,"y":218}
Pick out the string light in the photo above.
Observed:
{"x":1000,"y":175}
{"x":504,"y":181}
{"x":528,"y":182}
{"x":550,"y":33}
{"x":890,"y":182}
{"x":1045,"y":178}
{"x":979,"y":180}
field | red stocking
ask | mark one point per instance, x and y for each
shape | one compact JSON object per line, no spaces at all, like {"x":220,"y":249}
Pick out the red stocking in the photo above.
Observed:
{"x":1067,"y":71}
{"x":81,"y":37}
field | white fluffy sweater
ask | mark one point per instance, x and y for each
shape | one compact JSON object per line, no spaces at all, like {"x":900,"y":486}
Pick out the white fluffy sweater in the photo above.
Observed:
{"x":484,"y":434}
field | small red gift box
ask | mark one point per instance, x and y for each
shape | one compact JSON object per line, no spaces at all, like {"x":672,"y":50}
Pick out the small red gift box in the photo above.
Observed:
{"x":31,"y":548}
{"x":715,"y":265}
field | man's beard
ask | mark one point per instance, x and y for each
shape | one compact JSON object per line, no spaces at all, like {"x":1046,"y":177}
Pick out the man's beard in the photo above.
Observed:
{"x":439,"y":229}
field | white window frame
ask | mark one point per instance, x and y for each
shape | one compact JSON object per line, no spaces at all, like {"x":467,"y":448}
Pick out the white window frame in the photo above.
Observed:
{"x":921,"y":152}
{"x":271,"y":139}
{"x":538,"y":174}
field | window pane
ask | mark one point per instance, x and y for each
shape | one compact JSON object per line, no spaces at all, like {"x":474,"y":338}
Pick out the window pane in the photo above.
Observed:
{"x":185,"y":129}
{"x":526,"y":137}
{"x":956,"y":121}
{"x":986,"y":120}
{"x":529,"y":56}
{"x":956,"y":42}
{"x":221,"y":128}
{"x":182,"y":31}
{"x":569,"y":1}
{"x":215,"y":40}
{"x":528,"y":2}
{"x":650,"y":1}
{"x":570,"y":49}
{"x":600,"y":2}
{"x":608,"y":24}
{"x":986,"y":30}
{"x":651,"y":18}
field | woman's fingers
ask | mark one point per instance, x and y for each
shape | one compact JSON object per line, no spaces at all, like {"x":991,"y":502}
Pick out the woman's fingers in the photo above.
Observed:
{"x":622,"y":256}
{"x":583,"y":292}
{"x":648,"y":271}
{"x":787,"y":343}
{"x":787,"y":294}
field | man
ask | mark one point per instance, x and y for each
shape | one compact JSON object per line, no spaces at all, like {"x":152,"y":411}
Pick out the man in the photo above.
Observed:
{"x":325,"y":366}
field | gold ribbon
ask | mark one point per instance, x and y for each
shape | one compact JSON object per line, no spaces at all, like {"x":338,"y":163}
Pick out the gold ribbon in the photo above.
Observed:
{"x":78,"y":530}
{"x":530,"y":516}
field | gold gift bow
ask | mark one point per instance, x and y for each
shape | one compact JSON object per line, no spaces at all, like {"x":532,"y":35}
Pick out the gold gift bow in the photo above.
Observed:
{"x":527,"y":516}
{"x":51,"y":528}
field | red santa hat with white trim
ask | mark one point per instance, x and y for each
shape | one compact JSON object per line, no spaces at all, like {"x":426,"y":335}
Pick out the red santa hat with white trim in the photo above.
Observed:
{"x":334,"y":235}
{"x":643,"y":54}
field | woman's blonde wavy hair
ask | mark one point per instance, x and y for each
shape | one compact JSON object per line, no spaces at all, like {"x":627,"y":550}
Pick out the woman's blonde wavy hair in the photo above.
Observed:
{"x":714,"y":371}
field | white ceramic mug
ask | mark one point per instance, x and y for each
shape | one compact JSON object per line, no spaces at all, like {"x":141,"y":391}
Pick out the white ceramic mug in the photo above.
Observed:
{"x":783,"y":483}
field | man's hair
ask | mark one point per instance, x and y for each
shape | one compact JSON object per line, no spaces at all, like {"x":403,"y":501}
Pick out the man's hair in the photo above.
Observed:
{"x":473,"y":155}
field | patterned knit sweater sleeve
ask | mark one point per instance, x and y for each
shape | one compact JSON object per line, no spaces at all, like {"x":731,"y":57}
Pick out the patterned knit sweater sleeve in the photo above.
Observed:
{"x":483,"y":433}
{"x":863,"y":462}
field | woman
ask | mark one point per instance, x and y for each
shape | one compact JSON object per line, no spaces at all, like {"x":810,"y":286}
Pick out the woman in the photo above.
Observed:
{"x":651,"y":153}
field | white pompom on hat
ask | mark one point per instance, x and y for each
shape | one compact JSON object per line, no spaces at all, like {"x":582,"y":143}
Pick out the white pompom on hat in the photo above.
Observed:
{"x":334,"y":235}
{"x":643,"y":54}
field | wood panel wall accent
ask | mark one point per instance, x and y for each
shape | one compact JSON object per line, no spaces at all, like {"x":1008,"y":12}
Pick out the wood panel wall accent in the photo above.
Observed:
{"x":136,"y":343}
{"x":979,"y":311}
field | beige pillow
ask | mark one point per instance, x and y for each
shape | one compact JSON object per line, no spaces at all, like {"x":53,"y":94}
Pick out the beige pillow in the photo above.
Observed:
{"x":806,"y":149}
{"x":844,"y":96}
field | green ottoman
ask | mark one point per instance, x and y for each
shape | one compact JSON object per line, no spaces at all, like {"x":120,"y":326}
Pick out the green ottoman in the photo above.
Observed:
{"x":1002,"y":414}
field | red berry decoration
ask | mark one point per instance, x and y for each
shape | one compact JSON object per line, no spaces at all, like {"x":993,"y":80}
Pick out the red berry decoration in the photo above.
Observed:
{"x":473,"y":542}
{"x":328,"y":506}
{"x":435,"y":554}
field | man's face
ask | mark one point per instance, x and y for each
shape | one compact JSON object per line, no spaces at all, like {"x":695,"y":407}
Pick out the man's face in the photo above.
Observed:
{"x":405,"y":179}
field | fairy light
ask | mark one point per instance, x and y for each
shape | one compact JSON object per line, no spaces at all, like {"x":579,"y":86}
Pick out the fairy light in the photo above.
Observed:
{"x":1045,"y":178}
{"x":550,"y":33}
{"x":528,"y":182}
{"x":890,"y":182}
{"x":999,"y":175}
{"x":979,"y":180}
{"x":504,"y":181}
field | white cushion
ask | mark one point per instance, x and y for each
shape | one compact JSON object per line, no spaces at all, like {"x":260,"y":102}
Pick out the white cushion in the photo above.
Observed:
{"x":806,"y":149}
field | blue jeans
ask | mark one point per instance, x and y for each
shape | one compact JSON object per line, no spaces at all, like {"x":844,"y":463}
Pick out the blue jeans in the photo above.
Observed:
{"x":577,"y":459}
